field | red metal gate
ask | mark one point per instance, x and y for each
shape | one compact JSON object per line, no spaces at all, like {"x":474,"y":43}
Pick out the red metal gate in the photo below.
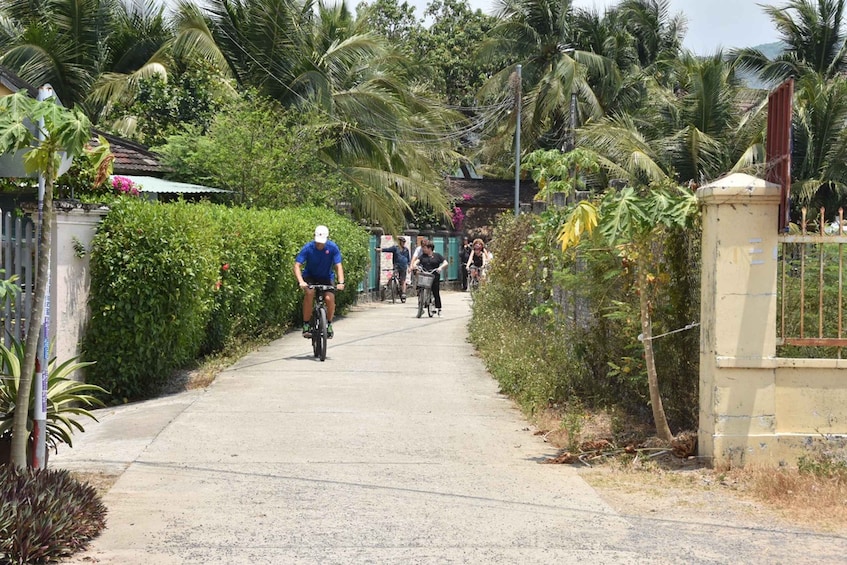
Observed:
{"x":778,"y":145}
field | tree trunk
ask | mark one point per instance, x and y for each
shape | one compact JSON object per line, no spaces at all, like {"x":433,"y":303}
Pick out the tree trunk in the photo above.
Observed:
{"x":20,"y":433}
{"x":663,"y":430}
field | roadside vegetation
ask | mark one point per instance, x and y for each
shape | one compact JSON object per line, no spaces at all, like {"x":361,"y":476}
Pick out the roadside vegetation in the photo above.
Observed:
{"x":318,"y":113}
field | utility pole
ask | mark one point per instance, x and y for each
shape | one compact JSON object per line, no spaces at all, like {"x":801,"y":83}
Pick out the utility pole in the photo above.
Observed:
{"x":40,"y":381}
{"x":518,"y":142}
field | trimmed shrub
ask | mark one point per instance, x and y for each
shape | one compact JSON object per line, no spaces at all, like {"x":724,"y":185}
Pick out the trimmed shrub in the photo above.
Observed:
{"x":171,"y":282}
{"x":153,"y":268}
{"x":46,"y":515}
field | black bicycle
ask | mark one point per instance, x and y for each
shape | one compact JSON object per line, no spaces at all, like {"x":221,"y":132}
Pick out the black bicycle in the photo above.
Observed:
{"x":392,"y":287}
{"x":426,"y":301}
{"x":320,"y":333}
{"x":474,"y":274}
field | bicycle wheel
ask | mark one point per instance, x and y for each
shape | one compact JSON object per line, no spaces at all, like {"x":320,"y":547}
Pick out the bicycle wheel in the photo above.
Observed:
{"x":430,"y":304}
{"x":322,"y":334}
{"x":316,"y":342}
{"x":393,"y":289}
{"x":421,"y":296}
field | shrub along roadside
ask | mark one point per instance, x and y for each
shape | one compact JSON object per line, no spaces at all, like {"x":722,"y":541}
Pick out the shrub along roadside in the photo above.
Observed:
{"x":525,"y":328}
{"x":171,"y":282}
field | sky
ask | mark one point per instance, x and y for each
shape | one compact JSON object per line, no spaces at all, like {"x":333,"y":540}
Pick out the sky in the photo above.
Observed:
{"x":711,"y":23}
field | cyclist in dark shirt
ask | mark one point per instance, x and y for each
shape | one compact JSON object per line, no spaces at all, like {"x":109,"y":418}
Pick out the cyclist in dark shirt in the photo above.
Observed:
{"x":319,"y":257}
{"x":429,"y":260}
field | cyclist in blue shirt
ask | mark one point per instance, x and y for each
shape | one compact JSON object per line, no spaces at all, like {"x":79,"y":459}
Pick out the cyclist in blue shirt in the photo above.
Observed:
{"x":401,"y":257}
{"x":319,"y":257}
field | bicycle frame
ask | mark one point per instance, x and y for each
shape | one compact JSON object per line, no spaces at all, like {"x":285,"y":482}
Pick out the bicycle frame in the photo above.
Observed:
{"x":319,"y":320}
{"x":425,"y":298}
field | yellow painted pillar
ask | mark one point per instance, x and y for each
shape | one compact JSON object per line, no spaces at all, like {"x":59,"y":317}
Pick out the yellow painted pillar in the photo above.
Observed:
{"x":738,"y":319}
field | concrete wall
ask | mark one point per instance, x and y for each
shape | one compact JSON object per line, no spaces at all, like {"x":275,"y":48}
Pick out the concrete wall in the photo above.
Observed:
{"x":755,"y":407}
{"x":70,"y":278}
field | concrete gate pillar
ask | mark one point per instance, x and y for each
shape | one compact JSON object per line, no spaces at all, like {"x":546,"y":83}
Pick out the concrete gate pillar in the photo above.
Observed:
{"x":738,"y":319}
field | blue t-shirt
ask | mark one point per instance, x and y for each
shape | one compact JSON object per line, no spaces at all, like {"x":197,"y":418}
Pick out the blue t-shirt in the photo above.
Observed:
{"x":319,"y":262}
{"x":402,"y":255}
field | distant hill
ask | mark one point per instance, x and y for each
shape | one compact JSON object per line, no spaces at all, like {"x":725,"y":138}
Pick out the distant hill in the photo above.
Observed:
{"x":769,"y":50}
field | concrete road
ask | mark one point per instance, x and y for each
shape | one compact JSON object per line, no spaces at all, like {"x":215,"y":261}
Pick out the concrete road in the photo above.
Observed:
{"x":397,"y":449}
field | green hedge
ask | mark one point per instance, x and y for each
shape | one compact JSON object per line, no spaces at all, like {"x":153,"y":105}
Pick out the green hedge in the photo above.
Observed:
{"x":171,"y":282}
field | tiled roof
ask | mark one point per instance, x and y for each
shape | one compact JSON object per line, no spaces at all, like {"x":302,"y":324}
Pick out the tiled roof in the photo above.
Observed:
{"x":490,"y":193}
{"x":130,"y":158}
{"x":15,"y":83}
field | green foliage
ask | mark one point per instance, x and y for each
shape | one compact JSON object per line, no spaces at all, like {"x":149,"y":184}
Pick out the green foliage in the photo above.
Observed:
{"x":162,"y":108}
{"x":267,"y":155}
{"x":446,"y":47}
{"x":152,"y":270}
{"x":557,"y":171}
{"x":171,"y":282}
{"x":46,"y":515}
{"x":810,"y":274}
{"x":827,"y":464}
{"x":559,"y":328}
{"x":67,"y":399}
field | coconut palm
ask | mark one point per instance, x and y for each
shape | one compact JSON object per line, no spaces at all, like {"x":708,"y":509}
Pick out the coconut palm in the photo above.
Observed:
{"x":317,"y":57}
{"x":658,"y":35}
{"x":695,"y":130}
{"x":819,"y":158}
{"x":538,"y":35}
{"x":88,"y":50}
{"x":813,"y":33}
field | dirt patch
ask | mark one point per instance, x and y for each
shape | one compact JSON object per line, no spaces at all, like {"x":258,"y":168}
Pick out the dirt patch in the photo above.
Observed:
{"x":101,"y":482}
{"x":638,"y":475}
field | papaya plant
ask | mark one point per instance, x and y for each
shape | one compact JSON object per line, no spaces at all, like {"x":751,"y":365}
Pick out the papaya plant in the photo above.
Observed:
{"x":43,"y":130}
{"x":628,"y":222}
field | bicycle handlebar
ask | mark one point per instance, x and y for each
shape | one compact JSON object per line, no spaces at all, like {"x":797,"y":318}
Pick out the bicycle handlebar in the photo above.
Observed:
{"x":321,"y":286}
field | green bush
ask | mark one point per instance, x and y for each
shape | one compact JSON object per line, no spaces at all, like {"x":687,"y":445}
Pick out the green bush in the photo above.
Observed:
{"x":45,"y":515}
{"x":171,"y":282}
{"x":153,"y":268}
{"x":554,"y":329}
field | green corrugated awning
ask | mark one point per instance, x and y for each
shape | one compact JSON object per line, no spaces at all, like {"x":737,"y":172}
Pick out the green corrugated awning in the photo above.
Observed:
{"x":162,"y":186}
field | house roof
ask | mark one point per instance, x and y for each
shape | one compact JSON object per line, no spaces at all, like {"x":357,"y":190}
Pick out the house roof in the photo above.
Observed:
{"x":490,"y":193}
{"x":131,"y":158}
{"x":15,"y":83}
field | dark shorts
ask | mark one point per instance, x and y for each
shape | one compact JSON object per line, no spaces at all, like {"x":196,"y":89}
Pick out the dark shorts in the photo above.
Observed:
{"x":315,"y":280}
{"x":401,"y":273}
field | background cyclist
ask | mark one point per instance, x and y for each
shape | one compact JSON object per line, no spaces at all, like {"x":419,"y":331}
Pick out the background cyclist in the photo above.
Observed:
{"x":319,"y":257}
{"x":401,"y":257}
{"x":431,"y":261}
{"x":478,"y":259}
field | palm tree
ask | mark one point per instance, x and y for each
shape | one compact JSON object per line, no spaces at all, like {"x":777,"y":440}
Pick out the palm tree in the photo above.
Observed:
{"x":88,"y":50}
{"x":658,"y":35}
{"x":391,"y":140}
{"x":819,"y":157}
{"x":813,"y":33}
{"x":816,"y":56}
{"x":538,"y":35}
{"x":695,"y":130}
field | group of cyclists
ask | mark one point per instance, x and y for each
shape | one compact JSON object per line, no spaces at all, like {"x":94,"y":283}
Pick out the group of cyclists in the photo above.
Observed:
{"x":317,"y":259}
